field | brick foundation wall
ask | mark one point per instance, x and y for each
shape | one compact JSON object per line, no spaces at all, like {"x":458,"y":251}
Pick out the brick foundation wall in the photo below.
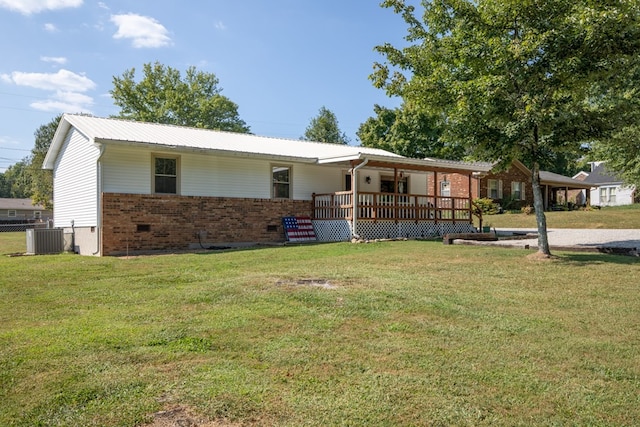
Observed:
{"x":139,"y":222}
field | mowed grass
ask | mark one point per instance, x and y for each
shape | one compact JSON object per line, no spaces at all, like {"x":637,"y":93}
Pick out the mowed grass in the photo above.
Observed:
{"x":616,"y":217}
{"x":409,"y":333}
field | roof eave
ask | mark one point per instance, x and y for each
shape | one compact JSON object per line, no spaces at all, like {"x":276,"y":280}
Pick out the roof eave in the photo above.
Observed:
{"x":225,"y":153}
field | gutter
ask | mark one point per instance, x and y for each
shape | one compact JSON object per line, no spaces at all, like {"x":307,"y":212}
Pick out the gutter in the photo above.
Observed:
{"x":98,"y":202}
{"x":354,"y":222}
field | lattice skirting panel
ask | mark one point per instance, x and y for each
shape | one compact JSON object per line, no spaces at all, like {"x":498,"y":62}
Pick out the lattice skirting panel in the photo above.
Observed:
{"x":338,"y":231}
{"x":332,"y":231}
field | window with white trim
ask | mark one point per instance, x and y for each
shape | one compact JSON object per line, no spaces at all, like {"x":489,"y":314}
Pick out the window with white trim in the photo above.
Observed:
{"x":494,"y":188}
{"x":445,"y":188}
{"x":281,"y":176}
{"x":165,"y":174}
{"x":11,"y":213}
{"x":607,"y":194}
{"x":37,"y":214}
{"x":517,"y":190}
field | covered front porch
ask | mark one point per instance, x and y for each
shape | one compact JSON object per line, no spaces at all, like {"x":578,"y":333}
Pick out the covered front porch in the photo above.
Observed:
{"x":435,"y":207}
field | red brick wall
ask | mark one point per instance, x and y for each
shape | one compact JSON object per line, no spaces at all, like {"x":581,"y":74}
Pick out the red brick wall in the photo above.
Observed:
{"x":513,"y":174}
{"x":174,"y":221}
{"x":459,"y":184}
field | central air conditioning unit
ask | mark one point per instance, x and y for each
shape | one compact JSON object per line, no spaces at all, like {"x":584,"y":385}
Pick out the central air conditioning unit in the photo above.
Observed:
{"x":42,"y":241}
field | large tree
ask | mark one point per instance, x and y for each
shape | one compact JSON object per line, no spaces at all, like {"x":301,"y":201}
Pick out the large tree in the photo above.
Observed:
{"x":324,"y":128}
{"x":407,"y":131}
{"x":518,"y":78}
{"x":164,"y":96}
{"x":42,"y":180}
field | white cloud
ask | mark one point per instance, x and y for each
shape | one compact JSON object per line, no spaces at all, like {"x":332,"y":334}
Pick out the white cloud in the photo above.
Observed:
{"x":102,"y":5}
{"x":220,"y":26}
{"x":51,"y":28}
{"x":64,"y":80}
{"x":27,"y":7}
{"x":68,"y":88}
{"x":68,"y":102}
{"x":143,"y":30}
{"x":55,"y":59}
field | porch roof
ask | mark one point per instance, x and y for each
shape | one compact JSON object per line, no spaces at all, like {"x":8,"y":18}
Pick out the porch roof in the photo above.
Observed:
{"x":555,"y":180}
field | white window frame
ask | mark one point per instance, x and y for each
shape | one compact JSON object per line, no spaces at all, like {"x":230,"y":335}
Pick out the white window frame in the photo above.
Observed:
{"x":498,"y":188}
{"x":12,"y":213}
{"x":277,"y":168}
{"x":37,"y":214}
{"x":445,"y":188}
{"x":155,"y":157}
{"x":517,"y":188}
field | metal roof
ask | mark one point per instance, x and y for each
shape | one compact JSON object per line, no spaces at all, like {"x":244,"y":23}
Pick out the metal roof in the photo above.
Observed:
{"x":109,"y":130}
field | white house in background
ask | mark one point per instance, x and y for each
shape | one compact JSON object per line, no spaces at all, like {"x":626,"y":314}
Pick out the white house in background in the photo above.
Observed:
{"x":122,"y":186}
{"x":607,"y":189}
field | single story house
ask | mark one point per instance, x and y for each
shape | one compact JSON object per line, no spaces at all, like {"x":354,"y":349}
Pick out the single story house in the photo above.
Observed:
{"x":122,"y":187}
{"x":22,"y":210}
{"x":511,"y":188}
{"x":607,"y":189}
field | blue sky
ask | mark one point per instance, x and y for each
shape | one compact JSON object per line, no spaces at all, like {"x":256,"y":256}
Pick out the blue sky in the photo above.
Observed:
{"x":279,"y":60}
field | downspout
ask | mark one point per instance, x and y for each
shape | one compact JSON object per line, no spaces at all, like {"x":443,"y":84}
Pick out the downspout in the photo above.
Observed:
{"x":354,"y":174}
{"x":98,"y":202}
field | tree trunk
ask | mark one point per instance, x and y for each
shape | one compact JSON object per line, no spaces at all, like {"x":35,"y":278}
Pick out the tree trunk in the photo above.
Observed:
{"x":538,"y":205}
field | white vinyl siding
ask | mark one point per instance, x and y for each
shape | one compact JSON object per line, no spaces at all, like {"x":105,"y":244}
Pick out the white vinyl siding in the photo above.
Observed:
{"x":128,"y":170}
{"x":75,"y":193}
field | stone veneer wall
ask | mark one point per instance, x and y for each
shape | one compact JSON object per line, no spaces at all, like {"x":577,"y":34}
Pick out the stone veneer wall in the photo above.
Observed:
{"x":143,"y":222}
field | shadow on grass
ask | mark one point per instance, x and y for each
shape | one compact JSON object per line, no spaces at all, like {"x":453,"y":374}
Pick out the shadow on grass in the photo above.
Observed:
{"x":599,"y":258}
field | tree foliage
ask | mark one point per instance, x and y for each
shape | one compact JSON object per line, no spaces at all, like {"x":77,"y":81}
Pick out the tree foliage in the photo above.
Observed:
{"x":41,"y":179}
{"x":408,"y":132}
{"x":518,"y":78}
{"x":164,"y":96}
{"x":26,"y":178}
{"x":324,"y":128}
{"x":16,"y":182}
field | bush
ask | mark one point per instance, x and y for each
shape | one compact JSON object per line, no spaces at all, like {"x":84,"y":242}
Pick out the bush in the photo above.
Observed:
{"x":527,"y":210}
{"x":486,"y":206}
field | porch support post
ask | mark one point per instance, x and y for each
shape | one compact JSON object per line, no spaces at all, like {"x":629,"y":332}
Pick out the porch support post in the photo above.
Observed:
{"x":546,"y":197}
{"x":470,"y":199}
{"x":395,"y":195}
{"x":354,"y":189}
{"x":436,"y":196}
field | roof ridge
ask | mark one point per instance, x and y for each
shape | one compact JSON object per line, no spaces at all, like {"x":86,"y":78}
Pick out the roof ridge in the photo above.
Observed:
{"x":171,"y":125}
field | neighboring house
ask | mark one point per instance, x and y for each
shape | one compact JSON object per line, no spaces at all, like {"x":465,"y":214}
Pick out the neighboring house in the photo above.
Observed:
{"x":512,"y":189}
{"x":121,"y":186}
{"x":22,"y":210}
{"x":607,"y":189}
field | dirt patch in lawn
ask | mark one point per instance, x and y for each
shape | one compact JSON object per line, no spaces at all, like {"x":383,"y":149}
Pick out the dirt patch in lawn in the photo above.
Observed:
{"x":181,"y":416}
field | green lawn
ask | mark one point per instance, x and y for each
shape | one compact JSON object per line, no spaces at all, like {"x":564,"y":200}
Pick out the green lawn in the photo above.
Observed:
{"x":408,"y":333}
{"x":620,"y":217}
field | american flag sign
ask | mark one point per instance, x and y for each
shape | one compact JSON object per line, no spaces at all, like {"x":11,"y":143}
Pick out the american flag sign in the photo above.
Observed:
{"x":298,"y":229}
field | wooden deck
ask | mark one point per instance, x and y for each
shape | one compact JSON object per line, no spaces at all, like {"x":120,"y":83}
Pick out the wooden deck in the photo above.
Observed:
{"x":392,"y":207}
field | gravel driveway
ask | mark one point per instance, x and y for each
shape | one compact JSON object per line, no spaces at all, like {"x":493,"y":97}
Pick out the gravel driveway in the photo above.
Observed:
{"x":575,"y":238}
